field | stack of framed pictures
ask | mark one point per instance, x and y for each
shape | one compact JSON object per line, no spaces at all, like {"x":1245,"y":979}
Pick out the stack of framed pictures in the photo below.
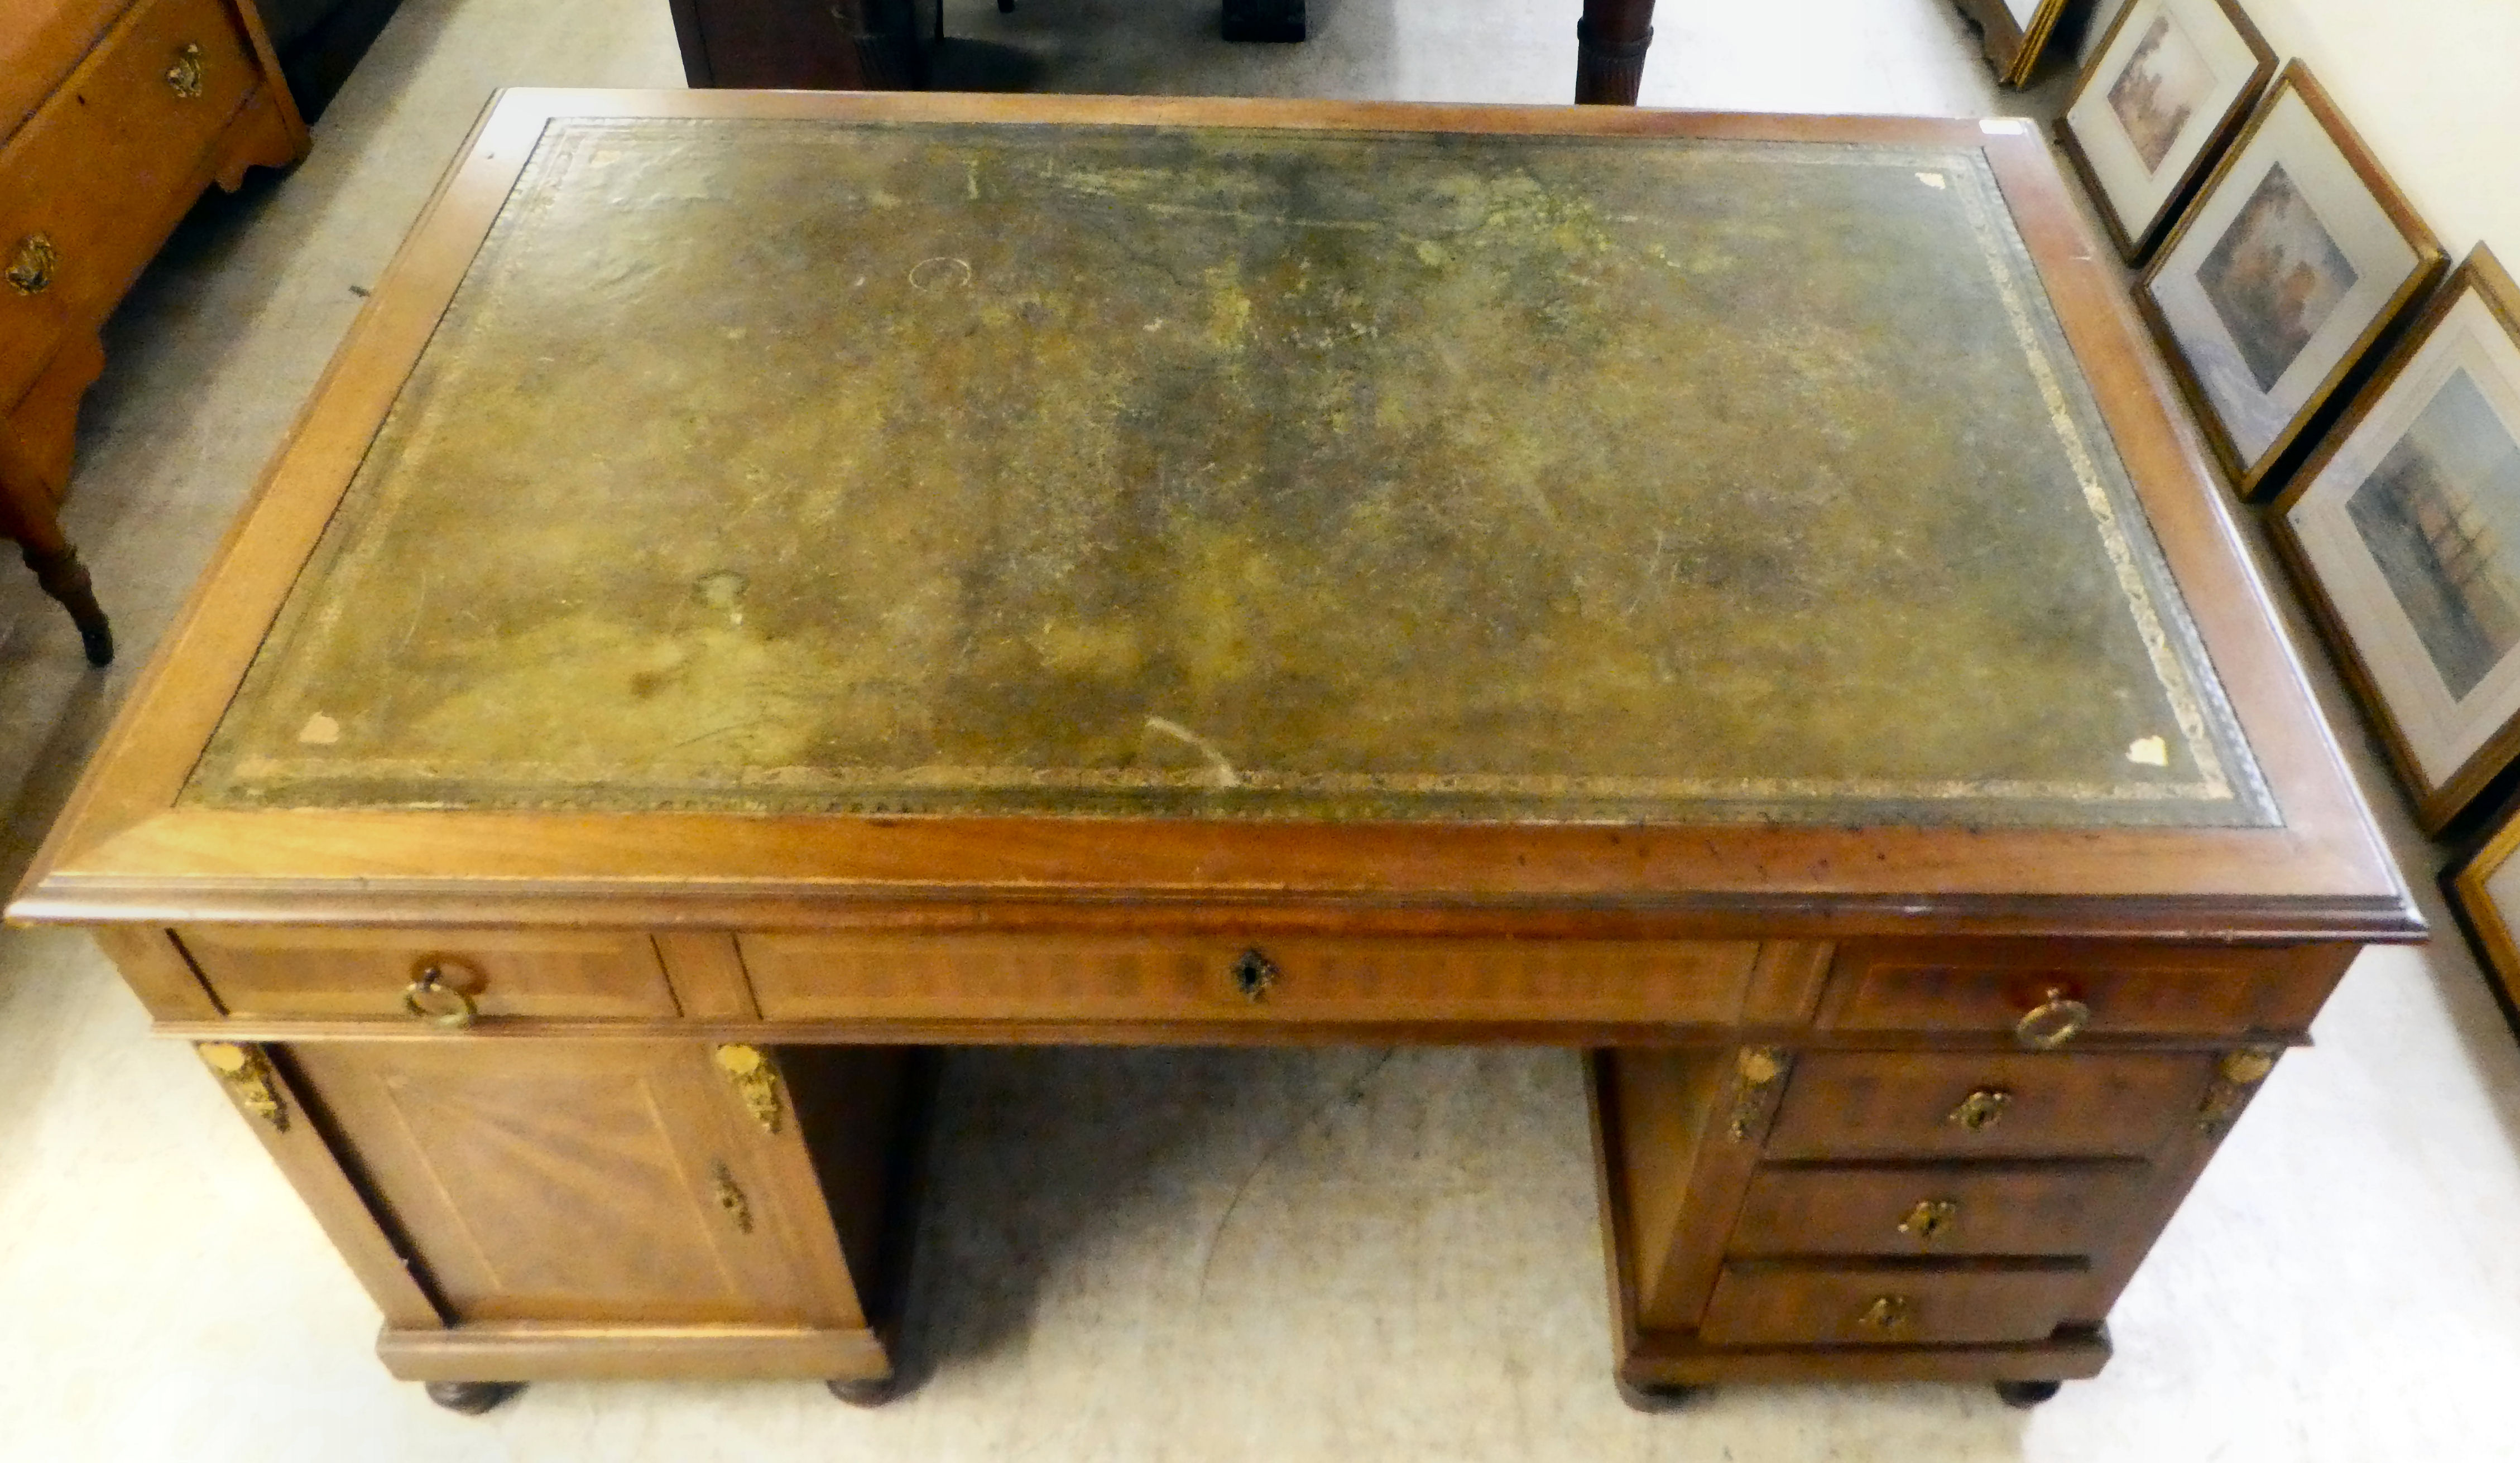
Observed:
{"x":2297,"y":256}
{"x":2166,"y":90}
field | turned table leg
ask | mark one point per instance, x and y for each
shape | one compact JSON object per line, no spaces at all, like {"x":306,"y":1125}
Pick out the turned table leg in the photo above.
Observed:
{"x":1610,"y":50}
{"x":26,"y":515}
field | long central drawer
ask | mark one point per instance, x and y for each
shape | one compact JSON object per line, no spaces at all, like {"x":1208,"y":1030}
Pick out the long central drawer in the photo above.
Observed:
{"x":1131,"y":978}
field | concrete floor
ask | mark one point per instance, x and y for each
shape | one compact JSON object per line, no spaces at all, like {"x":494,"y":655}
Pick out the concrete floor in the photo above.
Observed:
{"x":1210,"y":1255}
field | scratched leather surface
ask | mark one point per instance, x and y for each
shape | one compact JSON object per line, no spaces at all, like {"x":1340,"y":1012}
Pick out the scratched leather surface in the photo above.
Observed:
{"x":802,"y":465}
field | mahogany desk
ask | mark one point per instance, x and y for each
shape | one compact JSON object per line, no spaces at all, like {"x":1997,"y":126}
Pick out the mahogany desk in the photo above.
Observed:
{"x":774,"y":580}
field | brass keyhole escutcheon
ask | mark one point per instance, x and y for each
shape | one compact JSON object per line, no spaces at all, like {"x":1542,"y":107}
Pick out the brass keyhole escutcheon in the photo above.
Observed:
{"x":1930,"y":1218}
{"x":436,"y":1003}
{"x":755,"y":1081}
{"x":1887,"y":1314}
{"x":1253,"y":974}
{"x":249,"y":1078}
{"x":184,"y":77}
{"x":30,"y":268}
{"x":1981,"y":1110}
{"x":2054,"y":1022}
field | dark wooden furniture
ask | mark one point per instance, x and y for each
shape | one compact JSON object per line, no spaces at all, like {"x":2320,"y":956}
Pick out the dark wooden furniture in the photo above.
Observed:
{"x":857,"y":45}
{"x":117,"y":115}
{"x":1727,"y":593}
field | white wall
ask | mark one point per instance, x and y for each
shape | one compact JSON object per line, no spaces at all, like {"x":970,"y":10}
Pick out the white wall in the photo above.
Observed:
{"x":2434,"y":88}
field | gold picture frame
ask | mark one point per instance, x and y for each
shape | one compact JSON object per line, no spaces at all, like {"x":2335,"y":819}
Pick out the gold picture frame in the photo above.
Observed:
{"x":2293,"y":260}
{"x":2166,"y":89}
{"x":2014,"y":32}
{"x":2480,"y":887}
{"x":2404,"y":533}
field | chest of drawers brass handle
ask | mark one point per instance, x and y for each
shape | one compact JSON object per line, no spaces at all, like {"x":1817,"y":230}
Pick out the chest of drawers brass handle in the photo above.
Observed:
{"x":184,"y":77}
{"x":1930,"y":1218}
{"x":1887,"y":1314}
{"x":432,"y":1000}
{"x":1980,"y":1110}
{"x":2052,"y":1022}
{"x":30,"y":269}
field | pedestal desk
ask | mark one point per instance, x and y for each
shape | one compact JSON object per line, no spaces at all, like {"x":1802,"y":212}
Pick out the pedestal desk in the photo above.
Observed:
{"x":774,"y":581}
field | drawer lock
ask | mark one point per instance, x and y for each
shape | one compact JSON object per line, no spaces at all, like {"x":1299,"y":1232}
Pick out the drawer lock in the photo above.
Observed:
{"x":1887,"y":1315}
{"x":729,"y":1198}
{"x":755,"y":1079}
{"x":248,"y":1081}
{"x":2054,"y":1022}
{"x":1253,"y":974}
{"x":1930,"y":1218}
{"x":184,"y":77}
{"x":1981,"y":1110}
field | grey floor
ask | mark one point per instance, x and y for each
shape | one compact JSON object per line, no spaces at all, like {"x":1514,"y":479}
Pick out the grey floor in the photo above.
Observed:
{"x":1145,"y":1254}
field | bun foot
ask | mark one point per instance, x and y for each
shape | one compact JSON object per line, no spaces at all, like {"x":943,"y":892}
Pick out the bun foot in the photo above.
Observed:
{"x":2026,"y":1393}
{"x":471,"y":1399}
{"x":1655,"y":1396}
{"x":862,"y":1391}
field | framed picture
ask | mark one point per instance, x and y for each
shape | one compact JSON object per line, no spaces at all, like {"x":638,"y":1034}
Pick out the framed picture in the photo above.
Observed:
{"x":2404,"y":531}
{"x":2297,"y":256}
{"x":2170,"y":83}
{"x":2014,"y":32}
{"x":2485,"y":895}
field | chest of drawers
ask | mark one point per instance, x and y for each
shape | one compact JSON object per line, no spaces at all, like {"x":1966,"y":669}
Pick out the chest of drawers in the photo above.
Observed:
{"x":118,"y":115}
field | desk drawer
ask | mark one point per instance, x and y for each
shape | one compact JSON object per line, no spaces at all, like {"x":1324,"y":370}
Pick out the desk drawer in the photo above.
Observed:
{"x":1764,"y":1305}
{"x":1999,"y":1104}
{"x":1994,"y":988}
{"x":1118,"y":977}
{"x":1937,"y":1209}
{"x":316,"y":973}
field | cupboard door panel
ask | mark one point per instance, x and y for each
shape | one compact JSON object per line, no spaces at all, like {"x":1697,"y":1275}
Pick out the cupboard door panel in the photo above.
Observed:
{"x":590,"y":1183}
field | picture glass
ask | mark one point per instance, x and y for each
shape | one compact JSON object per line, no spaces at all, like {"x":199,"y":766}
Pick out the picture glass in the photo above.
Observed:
{"x":2170,"y":75}
{"x":2278,"y":275}
{"x":2412,"y":530}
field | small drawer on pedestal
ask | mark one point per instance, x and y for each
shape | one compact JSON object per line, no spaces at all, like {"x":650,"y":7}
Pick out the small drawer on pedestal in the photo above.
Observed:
{"x":1120,"y":978}
{"x":449,"y":980}
{"x":2049,"y":997}
{"x":1936,"y":1209}
{"x":1779,"y":1304}
{"x":1997,"y":1104}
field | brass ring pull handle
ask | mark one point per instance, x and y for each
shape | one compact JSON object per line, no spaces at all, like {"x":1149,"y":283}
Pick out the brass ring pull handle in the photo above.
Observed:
{"x":1887,"y":1314}
{"x":184,"y":77}
{"x":30,"y":269}
{"x":2052,"y":1022}
{"x":1930,"y":1218}
{"x":1980,"y":1110}
{"x":432,"y":1000}
{"x":1253,"y":974}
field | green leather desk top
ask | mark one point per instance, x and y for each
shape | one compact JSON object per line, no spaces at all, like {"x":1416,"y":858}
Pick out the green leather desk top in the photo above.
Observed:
{"x":805,"y":465}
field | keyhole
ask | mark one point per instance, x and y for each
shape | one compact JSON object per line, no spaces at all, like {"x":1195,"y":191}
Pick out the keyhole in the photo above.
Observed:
{"x":1254,"y":974}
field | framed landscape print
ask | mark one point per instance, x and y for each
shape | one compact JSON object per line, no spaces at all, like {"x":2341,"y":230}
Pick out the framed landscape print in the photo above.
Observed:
{"x":2297,"y":256}
{"x":2014,"y":32}
{"x":2165,"y":91}
{"x":2406,"y":531}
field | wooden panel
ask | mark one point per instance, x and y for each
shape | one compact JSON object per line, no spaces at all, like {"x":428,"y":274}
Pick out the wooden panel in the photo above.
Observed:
{"x":1828,"y":1304}
{"x":987,"y":976}
{"x":2131,"y":990}
{"x":1786,"y":983}
{"x":1668,"y":1130}
{"x":576,"y":1183}
{"x":1845,"y":1104}
{"x":707,"y":976}
{"x":156,"y":971}
{"x":2058,"y":1209}
{"x":286,"y":970}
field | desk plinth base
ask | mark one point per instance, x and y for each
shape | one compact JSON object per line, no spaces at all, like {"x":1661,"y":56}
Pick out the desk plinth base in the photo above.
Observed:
{"x":553,"y":1353}
{"x":1654,"y":1359}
